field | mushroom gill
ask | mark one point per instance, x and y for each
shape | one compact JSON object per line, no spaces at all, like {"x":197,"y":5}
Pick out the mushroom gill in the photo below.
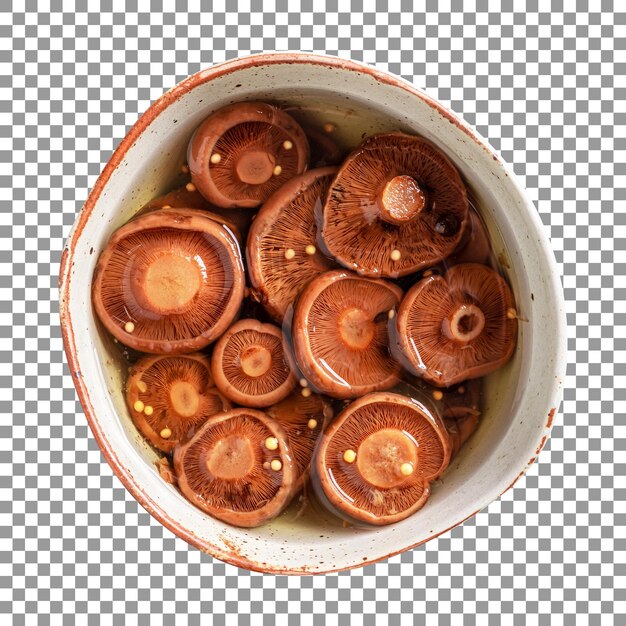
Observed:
{"x":281,"y":253}
{"x":169,"y":282}
{"x":396,"y":206}
{"x":376,"y":461}
{"x":458,"y":326}
{"x":339,"y":332}
{"x":169,"y":397}
{"x":228,"y":470}
{"x":244,"y":152}
{"x":251,"y":364}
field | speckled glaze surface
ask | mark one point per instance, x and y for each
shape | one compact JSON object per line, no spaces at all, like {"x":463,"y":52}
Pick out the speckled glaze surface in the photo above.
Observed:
{"x":521,"y":399}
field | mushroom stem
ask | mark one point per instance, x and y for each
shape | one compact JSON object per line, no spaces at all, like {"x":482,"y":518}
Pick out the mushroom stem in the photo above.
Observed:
{"x":184,"y":398}
{"x":255,"y":361}
{"x":356,"y":329}
{"x":465,"y":324}
{"x":255,"y":167}
{"x":170,"y":283}
{"x":231,"y":458}
{"x":382,"y":455}
{"x":401,"y":200}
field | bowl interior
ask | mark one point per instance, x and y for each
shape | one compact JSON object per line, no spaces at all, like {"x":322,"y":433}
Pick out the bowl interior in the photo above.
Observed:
{"x":516,"y":401}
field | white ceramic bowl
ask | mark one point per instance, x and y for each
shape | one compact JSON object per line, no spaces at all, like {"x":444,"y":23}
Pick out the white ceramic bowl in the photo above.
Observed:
{"x":521,"y":399}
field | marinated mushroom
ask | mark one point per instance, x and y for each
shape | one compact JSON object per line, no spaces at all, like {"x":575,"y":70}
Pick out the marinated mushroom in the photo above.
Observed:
{"x":244,"y":152}
{"x":339,"y":332}
{"x":461,"y":422}
{"x":376,"y":461}
{"x":396,"y":206}
{"x":227,"y":469}
{"x":169,"y":397}
{"x":304,"y":419}
{"x":459,"y":407}
{"x":458,"y":326}
{"x":251,"y":364}
{"x":238,"y":220}
{"x":474,"y":246}
{"x":282,"y":251}
{"x":169,"y":282}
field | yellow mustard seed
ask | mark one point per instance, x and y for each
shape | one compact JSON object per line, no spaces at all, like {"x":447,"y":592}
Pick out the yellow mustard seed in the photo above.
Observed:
{"x":349,"y":456}
{"x":406,"y":469}
{"x":271,"y":443}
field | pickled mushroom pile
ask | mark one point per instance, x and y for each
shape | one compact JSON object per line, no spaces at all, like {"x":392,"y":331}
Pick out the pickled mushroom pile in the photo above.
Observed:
{"x":302,"y":327}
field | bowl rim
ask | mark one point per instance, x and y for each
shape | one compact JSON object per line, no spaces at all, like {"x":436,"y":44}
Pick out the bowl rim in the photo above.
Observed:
{"x":221,"y":69}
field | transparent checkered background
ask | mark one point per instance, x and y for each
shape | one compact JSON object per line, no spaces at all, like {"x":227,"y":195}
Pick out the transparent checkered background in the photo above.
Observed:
{"x":547,"y":88}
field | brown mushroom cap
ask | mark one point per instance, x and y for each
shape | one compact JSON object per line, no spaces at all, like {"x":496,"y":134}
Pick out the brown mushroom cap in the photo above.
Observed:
{"x":396,"y":205}
{"x":304,"y":419}
{"x":459,"y":406}
{"x":457,"y":326}
{"x":376,"y":460}
{"x":339,"y":332}
{"x":244,"y":152}
{"x":169,"y":282}
{"x":278,"y":253}
{"x":474,"y":246}
{"x":461,"y":422}
{"x":237,"y":220}
{"x":251,"y":364}
{"x":227,"y":470}
{"x":169,"y":397}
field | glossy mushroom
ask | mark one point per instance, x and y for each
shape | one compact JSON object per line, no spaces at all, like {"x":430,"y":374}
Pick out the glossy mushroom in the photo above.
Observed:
{"x":251,"y":364}
{"x":282,"y":253}
{"x":339,"y":332}
{"x":459,"y":406}
{"x":169,"y":282}
{"x":396,"y":206}
{"x":188,"y":197}
{"x":474,"y":246}
{"x":169,"y":397}
{"x":460,"y":422}
{"x":244,"y":152}
{"x":304,"y":416}
{"x":458,"y":326}
{"x":228,"y":469}
{"x":375,"y":462}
